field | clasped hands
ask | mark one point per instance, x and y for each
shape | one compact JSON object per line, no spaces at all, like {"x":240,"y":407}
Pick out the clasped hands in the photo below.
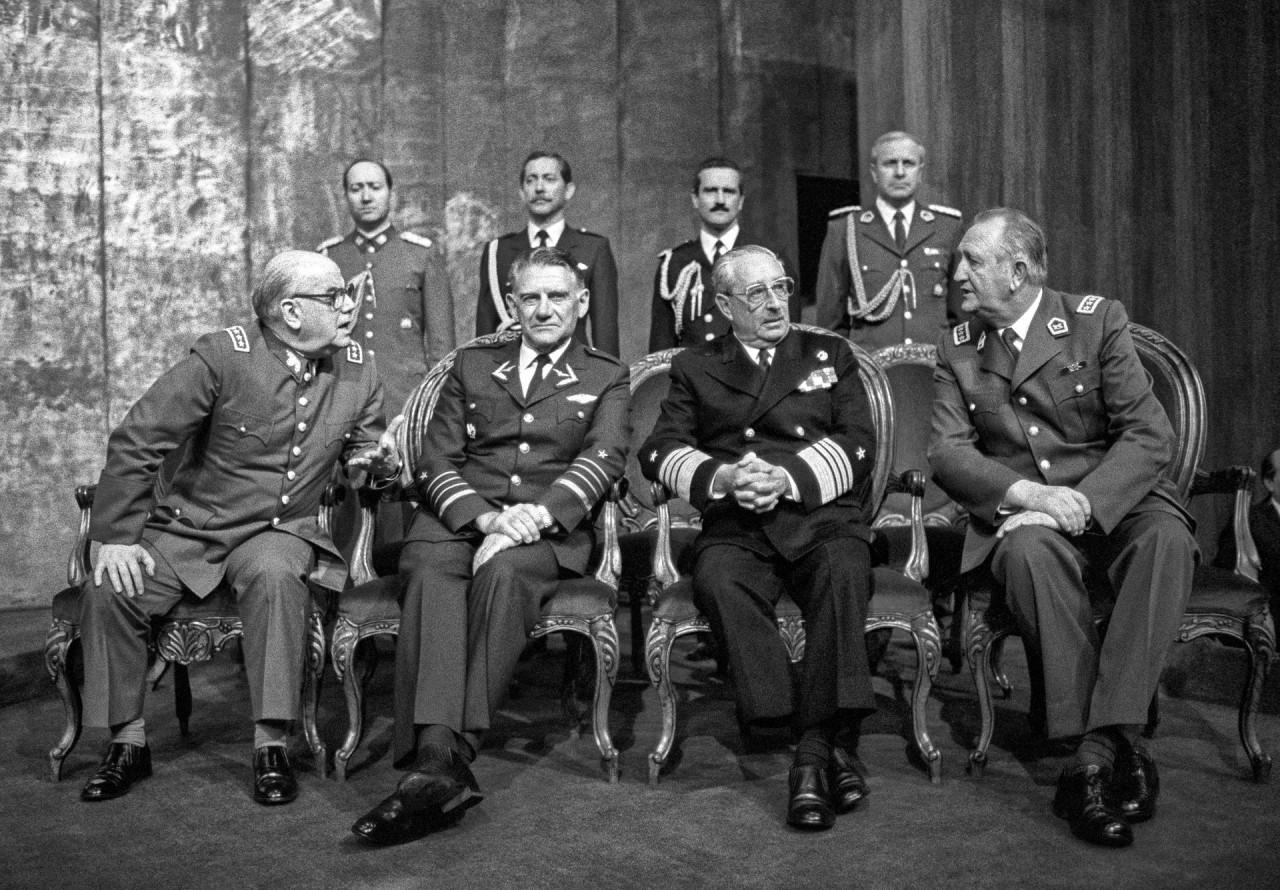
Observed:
{"x":1053,"y":506}
{"x":755,"y":484}
{"x":504,"y":529}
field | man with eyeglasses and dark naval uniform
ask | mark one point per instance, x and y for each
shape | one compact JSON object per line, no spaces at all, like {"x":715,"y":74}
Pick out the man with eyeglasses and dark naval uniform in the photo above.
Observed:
{"x":768,"y":431}
{"x":256,"y":415}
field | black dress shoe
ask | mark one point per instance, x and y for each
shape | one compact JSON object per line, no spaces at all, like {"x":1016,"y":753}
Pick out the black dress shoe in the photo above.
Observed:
{"x":123,"y":765}
{"x":848,"y":780}
{"x":1136,"y":786}
{"x":810,"y":807}
{"x":1083,"y":801}
{"x":426,"y":800}
{"x":273,"y":781}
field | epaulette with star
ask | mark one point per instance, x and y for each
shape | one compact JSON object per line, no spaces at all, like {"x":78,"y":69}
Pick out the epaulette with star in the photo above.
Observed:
{"x":841,"y":211}
{"x":1089,"y":305}
{"x":323,"y":246}
{"x":946,"y":211}
{"x":960,"y":334}
{"x":239,"y":339}
{"x":420,"y":240}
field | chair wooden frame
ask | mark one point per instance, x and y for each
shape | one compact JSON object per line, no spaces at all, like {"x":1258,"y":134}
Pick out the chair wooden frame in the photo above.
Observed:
{"x":600,"y":629}
{"x":985,"y":633}
{"x":179,"y":640}
{"x":922,"y":626}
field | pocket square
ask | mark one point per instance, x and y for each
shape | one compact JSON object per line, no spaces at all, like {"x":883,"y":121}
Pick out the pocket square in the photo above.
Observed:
{"x":823,"y":378}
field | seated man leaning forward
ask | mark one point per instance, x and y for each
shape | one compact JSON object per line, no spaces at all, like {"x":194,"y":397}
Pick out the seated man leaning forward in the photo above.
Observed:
{"x":261,"y":413}
{"x":524,"y":442}
{"x":1046,"y":429}
{"x":768,"y":431}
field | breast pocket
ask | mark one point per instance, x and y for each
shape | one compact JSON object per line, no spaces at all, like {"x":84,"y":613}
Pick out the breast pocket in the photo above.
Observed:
{"x":993,"y":418}
{"x":479,"y":416}
{"x":243,"y":430}
{"x":1081,"y":409}
{"x":573,"y":416}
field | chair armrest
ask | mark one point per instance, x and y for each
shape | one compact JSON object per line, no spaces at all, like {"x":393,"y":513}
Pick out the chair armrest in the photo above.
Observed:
{"x":78,"y":567}
{"x":664,"y":564}
{"x":1239,"y":480}
{"x":610,"y":568}
{"x":912,"y":482}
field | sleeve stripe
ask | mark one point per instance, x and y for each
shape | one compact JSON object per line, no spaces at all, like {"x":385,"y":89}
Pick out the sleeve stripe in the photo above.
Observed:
{"x":831,"y":468}
{"x":440,"y":508}
{"x":839,"y":461}
{"x":678,"y":468}
{"x":575,"y":489}
{"x":604,"y":477}
{"x":593,"y":485}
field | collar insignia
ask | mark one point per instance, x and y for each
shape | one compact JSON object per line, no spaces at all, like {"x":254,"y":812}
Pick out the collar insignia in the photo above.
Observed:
{"x":239,"y":339}
{"x":567,"y":376}
{"x":503,"y":370}
{"x":1058,"y":327}
{"x":867,"y":216}
{"x":960,"y":334}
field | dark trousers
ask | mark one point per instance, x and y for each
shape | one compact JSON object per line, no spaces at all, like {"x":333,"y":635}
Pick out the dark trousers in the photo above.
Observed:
{"x":738,"y":589}
{"x":1091,"y":682}
{"x":461,"y":637}
{"x":268,"y":577}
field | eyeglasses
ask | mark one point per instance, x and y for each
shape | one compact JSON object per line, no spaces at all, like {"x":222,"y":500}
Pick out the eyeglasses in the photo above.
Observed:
{"x":337,"y":297}
{"x":531,"y":299}
{"x":758,"y":294}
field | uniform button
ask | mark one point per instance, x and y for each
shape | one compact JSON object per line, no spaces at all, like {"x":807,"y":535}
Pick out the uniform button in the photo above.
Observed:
{"x":373,"y":352}
{"x":303,"y":401}
{"x":528,"y":418}
{"x":903,"y":264}
{"x":1033,"y":430}
{"x":750,"y":433}
{"x":296,"y":450}
{"x":710,"y":336}
{"x":275,"y":520}
{"x":284,"y":499}
{"x":515,"y":480}
{"x":368,"y":334}
{"x":865,"y":268}
{"x":799,"y":431}
{"x":177,"y":511}
{"x":306,"y":376}
{"x":1044,"y":464}
{"x":907,"y":340}
{"x":937,"y":265}
{"x":291,"y":474}
{"x":242,"y":429}
{"x":708,"y":318}
{"x":370,"y":249}
{"x":302,"y":426}
{"x":906,"y":313}
{"x":1022,"y":400}
{"x":472,"y":406}
{"x":368,"y":315}
{"x":524,"y":447}
{"x":582,"y":414}
{"x":368,"y":265}
{"x":1079,"y":387}
{"x":972,"y":406}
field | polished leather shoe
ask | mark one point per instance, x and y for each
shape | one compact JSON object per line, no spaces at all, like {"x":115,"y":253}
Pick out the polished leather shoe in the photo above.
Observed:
{"x":1082,"y":800}
{"x":123,"y":765}
{"x":1136,"y":786}
{"x":810,"y":807}
{"x":273,"y":781}
{"x":428,"y":799}
{"x":848,"y":782}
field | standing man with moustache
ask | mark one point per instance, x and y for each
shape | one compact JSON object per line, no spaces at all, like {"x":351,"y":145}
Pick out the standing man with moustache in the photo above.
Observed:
{"x":684,"y":311}
{"x":547,"y":187}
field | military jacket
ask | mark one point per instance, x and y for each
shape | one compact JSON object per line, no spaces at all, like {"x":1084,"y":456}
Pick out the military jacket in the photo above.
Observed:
{"x":488,"y":446}
{"x":406,"y":319}
{"x":254,"y":444}
{"x":684,"y":311}
{"x":809,"y":415}
{"x":919,"y":299}
{"x":594,"y":258}
{"x":1074,"y":408}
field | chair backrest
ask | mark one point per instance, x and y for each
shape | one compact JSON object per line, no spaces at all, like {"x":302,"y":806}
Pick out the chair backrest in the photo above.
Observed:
{"x":1178,"y":388}
{"x":650,"y":380}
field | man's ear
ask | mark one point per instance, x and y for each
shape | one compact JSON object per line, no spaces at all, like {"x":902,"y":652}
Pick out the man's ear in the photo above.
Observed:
{"x":512,"y":307}
{"x":584,"y":302}
{"x":568,"y":191}
{"x":723,"y":304}
{"x":1018,"y":276}
{"x":291,"y":313}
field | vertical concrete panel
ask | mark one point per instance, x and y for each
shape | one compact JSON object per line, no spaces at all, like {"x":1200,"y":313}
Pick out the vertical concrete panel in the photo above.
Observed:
{"x":668,"y":121}
{"x":315,"y":104}
{"x":52,"y":382}
{"x":173,"y":173}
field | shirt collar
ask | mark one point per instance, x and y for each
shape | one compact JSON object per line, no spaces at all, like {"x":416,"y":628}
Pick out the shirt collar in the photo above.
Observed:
{"x":1023,"y":324}
{"x":753,"y":352}
{"x":378,"y":238}
{"x":887,"y":211}
{"x":528,"y":354}
{"x":554,"y":231}
{"x":728,"y":239}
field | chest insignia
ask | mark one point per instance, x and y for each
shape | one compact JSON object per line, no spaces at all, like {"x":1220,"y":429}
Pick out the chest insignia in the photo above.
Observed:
{"x":566,"y":376}
{"x":823,"y":378}
{"x":960,"y":334}
{"x":355,"y":354}
{"x":926,"y":215}
{"x":503,"y":370}
{"x":471,"y":431}
{"x":581,"y":398}
{"x":867,"y":216}
{"x":602,"y":454}
{"x":822,"y":355}
{"x":862,"y":453}
{"x":583,"y":266}
{"x":406,"y":324}
{"x":933,"y":251}
{"x":1088,"y":305}
{"x":239,"y":339}
{"x":1058,"y":327}
{"x":982,"y":340}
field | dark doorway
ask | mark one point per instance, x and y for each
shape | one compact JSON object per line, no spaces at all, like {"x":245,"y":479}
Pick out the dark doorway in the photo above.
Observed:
{"x":816,"y":197}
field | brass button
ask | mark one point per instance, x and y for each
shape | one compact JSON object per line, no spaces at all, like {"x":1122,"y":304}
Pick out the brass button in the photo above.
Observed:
{"x":275,"y":520}
{"x":302,"y":426}
{"x":708,"y":318}
{"x":307,"y":376}
{"x":1079,"y":387}
{"x":291,"y":474}
{"x":750,"y":433}
{"x":906,"y":313}
{"x":710,"y":336}
{"x":906,"y":340}
{"x":303,"y":401}
{"x":799,"y":431}
{"x":284,"y":499}
{"x":1022,"y":400}
{"x":368,"y":315}
{"x":1044,"y":464}
{"x":296,"y":450}
{"x":524,"y":447}
{"x":369,"y":249}
{"x":515,"y":480}
{"x":528,"y":418}
{"x":1033,"y":430}
{"x":973,"y":407}
{"x":368,"y":334}
{"x":903,"y":264}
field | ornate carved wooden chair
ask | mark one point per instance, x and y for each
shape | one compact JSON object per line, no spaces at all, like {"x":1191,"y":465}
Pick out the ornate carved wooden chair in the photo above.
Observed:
{"x":582,"y":606}
{"x":1223,"y":603}
{"x":899,"y":601}
{"x":193,"y":631}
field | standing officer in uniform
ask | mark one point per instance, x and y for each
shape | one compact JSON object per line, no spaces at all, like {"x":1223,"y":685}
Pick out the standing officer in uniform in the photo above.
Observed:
{"x":406,"y":320}
{"x":904,"y":253}
{"x":768,"y":432}
{"x":526,"y":438}
{"x":1264,"y":529}
{"x":546,"y":186}
{"x":684,"y":312}
{"x":261,"y":414}
{"x":1046,"y":430}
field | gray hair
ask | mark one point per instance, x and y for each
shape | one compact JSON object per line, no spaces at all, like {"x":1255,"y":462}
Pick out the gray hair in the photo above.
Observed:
{"x":278,"y":281}
{"x":1020,"y":239}
{"x":894,"y":136}
{"x":544,"y":258}
{"x":722,"y":273}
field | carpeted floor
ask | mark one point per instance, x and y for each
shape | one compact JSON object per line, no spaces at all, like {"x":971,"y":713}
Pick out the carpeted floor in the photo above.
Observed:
{"x":716,"y":820}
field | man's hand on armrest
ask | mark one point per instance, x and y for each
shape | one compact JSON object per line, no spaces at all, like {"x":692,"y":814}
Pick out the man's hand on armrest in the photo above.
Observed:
{"x":122,"y":565}
{"x":381,"y":460}
{"x":1068,"y":508}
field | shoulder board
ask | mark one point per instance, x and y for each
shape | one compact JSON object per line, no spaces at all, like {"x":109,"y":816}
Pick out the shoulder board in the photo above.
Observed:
{"x":947,"y":211}
{"x":598,"y":353}
{"x":324,"y":246}
{"x":1089,"y":305}
{"x":960,"y":334}
{"x":841,"y":211}
{"x":583,"y":231}
{"x":420,"y":240}
{"x":355,"y":354}
{"x":239,"y":339}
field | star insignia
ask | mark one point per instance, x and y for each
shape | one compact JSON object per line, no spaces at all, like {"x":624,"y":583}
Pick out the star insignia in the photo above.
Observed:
{"x":653,"y":456}
{"x":861,"y":452}
{"x":602,"y":454}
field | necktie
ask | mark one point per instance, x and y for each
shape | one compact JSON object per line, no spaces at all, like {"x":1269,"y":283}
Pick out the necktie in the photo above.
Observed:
{"x":1011,"y":340}
{"x":764,"y":361}
{"x":539,"y":368}
{"x":899,"y":230}
{"x":717,"y":251}
{"x":542,"y":237}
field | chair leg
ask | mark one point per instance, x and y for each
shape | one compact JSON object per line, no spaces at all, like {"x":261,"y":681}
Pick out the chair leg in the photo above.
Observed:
{"x":312,"y":674}
{"x":182,"y":698}
{"x":604,"y":637}
{"x":981,"y":640}
{"x":57,"y":651}
{"x":997,"y":667}
{"x":928,"y":639}
{"x":657,"y":650}
{"x":343,"y":650}
{"x":1260,"y":641}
